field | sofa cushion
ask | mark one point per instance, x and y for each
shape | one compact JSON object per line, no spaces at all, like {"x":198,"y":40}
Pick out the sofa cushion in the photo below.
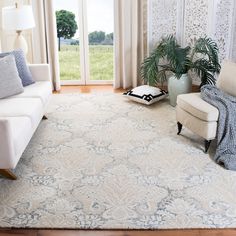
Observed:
{"x":40,"y":90}
{"x":193,"y":104}
{"x":21,"y":65}
{"x":18,"y":107}
{"x":227,"y":78}
{"x":10,"y":82}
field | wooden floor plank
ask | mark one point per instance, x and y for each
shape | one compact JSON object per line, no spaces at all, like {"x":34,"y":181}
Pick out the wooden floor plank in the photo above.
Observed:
{"x":18,"y":232}
{"x":88,"y":89}
{"x":100,"y":88}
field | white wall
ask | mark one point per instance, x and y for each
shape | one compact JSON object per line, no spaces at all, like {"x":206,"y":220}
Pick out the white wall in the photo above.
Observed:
{"x":191,"y":19}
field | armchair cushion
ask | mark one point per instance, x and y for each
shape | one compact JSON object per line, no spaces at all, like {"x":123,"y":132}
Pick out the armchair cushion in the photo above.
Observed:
{"x":193,"y":104}
{"x":227,"y":78}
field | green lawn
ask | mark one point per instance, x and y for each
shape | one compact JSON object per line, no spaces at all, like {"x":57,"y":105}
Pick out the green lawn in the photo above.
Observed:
{"x":100,"y":57}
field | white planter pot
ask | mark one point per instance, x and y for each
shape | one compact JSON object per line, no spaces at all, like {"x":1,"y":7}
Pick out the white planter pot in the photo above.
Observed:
{"x":178,"y":86}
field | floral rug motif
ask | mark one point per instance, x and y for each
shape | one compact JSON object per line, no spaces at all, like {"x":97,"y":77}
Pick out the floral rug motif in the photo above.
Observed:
{"x":100,"y":161}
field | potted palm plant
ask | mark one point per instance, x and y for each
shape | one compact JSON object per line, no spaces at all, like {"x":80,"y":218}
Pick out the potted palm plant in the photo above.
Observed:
{"x":170,"y":60}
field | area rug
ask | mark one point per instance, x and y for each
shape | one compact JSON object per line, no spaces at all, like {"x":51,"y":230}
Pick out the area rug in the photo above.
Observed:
{"x":103,"y":162}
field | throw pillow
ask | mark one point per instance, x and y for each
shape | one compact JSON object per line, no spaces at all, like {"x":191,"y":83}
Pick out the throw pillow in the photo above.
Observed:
{"x":146,"y":94}
{"x":10,"y":82}
{"x":23,"y":70}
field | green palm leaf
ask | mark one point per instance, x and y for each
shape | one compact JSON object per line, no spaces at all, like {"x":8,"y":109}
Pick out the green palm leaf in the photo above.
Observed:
{"x":169,"y":56}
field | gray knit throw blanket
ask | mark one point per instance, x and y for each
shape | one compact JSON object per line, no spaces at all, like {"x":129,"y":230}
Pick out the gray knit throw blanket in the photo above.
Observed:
{"x":226,"y":132}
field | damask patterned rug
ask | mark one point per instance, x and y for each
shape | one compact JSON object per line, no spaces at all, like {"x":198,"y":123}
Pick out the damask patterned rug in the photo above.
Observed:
{"x":101,"y":161}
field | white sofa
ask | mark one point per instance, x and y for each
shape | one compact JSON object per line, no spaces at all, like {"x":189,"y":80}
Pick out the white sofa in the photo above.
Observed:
{"x":199,"y":116}
{"x":20,"y":116}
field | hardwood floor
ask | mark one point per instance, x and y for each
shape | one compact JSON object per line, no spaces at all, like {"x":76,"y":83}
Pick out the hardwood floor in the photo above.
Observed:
{"x":88,"y":89}
{"x":29,"y":232}
{"x":98,"y":88}
{"x":226,"y":232}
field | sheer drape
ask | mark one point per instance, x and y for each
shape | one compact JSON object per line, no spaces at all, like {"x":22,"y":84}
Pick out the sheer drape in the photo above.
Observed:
{"x":130,"y":41}
{"x":45,"y":48}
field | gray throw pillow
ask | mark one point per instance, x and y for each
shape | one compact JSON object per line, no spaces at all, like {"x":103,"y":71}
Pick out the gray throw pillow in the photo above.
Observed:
{"x":10,"y":82}
{"x":21,"y":65}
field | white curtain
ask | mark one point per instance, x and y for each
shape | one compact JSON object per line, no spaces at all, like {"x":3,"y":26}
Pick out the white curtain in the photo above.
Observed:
{"x":130,"y":41}
{"x":45,"y":47}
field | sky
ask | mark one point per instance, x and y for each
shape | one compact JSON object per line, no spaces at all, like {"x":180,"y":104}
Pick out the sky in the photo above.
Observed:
{"x":100,"y":13}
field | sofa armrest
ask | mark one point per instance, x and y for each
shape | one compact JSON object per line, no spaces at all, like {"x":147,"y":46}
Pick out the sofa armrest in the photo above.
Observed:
{"x":6,"y":145}
{"x":40,"y":72}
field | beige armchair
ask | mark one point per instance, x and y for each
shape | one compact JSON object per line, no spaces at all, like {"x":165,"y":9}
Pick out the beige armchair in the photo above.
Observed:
{"x":199,"y":116}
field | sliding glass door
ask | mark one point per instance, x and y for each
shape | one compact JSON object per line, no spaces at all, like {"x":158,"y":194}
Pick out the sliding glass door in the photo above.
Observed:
{"x":85,"y":41}
{"x":100,"y":27}
{"x":70,"y":51}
